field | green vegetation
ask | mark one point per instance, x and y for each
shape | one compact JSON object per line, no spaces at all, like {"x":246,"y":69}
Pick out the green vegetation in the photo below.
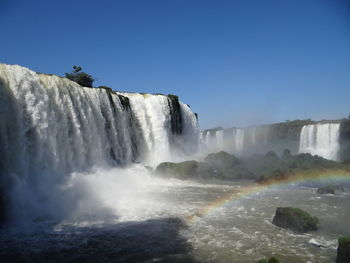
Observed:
{"x":185,"y":170}
{"x":271,"y":260}
{"x":223,"y":163}
{"x":295,"y":219}
{"x":259,"y":167}
{"x":182,"y":170}
{"x":343,"y":251}
{"x":344,"y":241}
{"x":82,"y":78}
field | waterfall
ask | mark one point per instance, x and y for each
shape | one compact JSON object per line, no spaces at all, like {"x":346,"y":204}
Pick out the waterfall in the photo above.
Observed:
{"x":219,"y":138}
{"x":51,"y":127}
{"x":210,"y":139}
{"x":238,"y":135}
{"x":253,"y":134}
{"x":320,"y":139}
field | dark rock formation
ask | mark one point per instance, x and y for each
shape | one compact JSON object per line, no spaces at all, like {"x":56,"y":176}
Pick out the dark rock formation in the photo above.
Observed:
{"x":328,"y":189}
{"x":176,"y":118}
{"x":343,"y":251}
{"x":295,"y":219}
{"x":344,"y":139}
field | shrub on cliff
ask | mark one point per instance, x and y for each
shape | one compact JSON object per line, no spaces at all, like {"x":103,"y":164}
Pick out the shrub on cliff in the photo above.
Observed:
{"x":82,"y":78}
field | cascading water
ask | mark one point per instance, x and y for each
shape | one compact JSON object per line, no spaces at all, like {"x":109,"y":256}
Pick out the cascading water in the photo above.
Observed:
{"x":238,"y":135}
{"x":320,"y":139}
{"x":253,"y":134}
{"x":210,"y":140}
{"x":219,"y":139}
{"x":51,"y":127}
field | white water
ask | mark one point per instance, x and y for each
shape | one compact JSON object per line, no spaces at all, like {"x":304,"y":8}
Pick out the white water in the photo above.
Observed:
{"x":51,"y":127}
{"x":238,"y":229}
{"x":238,"y":135}
{"x":212,"y":141}
{"x":220,"y":138}
{"x":320,"y":139}
{"x":253,"y":131}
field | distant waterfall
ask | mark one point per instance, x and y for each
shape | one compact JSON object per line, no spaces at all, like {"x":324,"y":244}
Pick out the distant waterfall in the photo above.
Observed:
{"x":253,"y":134}
{"x":220,"y":138}
{"x":238,"y":135}
{"x":209,"y":140}
{"x":320,"y":139}
{"x":51,"y":126}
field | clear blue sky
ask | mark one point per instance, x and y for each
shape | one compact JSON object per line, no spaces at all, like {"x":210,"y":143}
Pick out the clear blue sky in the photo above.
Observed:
{"x":235,"y":62}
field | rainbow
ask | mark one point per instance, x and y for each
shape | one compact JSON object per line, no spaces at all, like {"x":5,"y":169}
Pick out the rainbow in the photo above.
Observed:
{"x":236,"y":194}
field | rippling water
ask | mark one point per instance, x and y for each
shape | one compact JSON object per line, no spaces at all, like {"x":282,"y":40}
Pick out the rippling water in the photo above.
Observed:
{"x":152,"y":225}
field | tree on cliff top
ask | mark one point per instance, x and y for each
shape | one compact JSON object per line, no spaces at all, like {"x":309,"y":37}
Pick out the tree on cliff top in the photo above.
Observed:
{"x":82,"y":78}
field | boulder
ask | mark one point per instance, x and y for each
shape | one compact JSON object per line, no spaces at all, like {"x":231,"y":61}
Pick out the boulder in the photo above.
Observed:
{"x":271,"y":260}
{"x":181,"y":170}
{"x":328,"y":189}
{"x":295,"y":219}
{"x":223,"y":163}
{"x":343,"y":251}
{"x":185,"y":170}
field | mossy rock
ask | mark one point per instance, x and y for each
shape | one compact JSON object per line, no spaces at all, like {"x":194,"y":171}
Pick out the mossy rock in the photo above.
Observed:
{"x":185,"y":170}
{"x":328,"y":189}
{"x":270,"y":260}
{"x":223,"y":163}
{"x":295,"y":219}
{"x":181,"y":170}
{"x":343,"y":251}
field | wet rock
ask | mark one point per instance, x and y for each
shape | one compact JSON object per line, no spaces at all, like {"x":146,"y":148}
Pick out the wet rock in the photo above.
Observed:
{"x":181,"y":170}
{"x":328,"y":189}
{"x":185,"y":170}
{"x":343,"y":251}
{"x":295,"y":219}
{"x":271,"y":260}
